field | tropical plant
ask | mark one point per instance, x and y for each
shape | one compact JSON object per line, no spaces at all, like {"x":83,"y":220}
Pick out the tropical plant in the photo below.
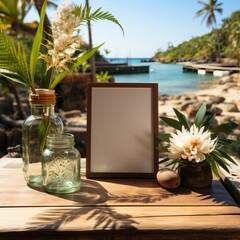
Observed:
{"x":13,"y":13}
{"x":208,"y":12}
{"x":103,"y":77}
{"x":61,"y":52}
{"x":193,"y":144}
{"x":231,"y":29}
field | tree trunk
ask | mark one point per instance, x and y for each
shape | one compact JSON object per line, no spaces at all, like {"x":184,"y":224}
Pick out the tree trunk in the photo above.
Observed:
{"x":219,"y":57}
{"x":13,"y":89}
{"x":92,"y":60}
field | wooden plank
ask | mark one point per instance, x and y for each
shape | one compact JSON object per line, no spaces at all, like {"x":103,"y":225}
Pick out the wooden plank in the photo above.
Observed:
{"x":107,"y":218}
{"x":111,"y":192}
{"x":114,"y":209}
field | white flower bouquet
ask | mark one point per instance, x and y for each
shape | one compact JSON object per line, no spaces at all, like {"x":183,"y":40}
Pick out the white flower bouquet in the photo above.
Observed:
{"x":195,"y":144}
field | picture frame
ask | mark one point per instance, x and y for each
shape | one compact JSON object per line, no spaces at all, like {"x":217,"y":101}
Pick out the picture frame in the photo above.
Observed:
{"x":122,"y":129}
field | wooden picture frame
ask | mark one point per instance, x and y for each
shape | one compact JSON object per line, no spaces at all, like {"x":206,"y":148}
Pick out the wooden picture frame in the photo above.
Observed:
{"x":122,"y":128}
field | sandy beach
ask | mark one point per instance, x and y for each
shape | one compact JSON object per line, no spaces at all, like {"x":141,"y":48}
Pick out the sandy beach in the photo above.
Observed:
{"x":222,"y":97}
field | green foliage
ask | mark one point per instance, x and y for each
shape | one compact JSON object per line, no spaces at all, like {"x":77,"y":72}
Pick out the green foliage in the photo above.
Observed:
{"x":172,"y":122}
{"x":208,"y":11}
{"x":37,"y":43}
{"x":103,"y":77}
{"x":200,"y":115}
{"x":13,"y":13}
{"x":85,"y":15}
{"x":13,"y":62}
{"x":182,"y":119}
{"x":204,"y":48}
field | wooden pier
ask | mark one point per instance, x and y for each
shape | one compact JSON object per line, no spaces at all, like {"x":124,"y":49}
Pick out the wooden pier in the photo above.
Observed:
{"x":210,"y":68}
{"x":121,"y":68}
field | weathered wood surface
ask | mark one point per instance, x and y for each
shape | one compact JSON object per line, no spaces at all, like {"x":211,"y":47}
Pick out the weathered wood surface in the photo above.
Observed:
{"x":114,"y":209}
{"x":232,"y":180}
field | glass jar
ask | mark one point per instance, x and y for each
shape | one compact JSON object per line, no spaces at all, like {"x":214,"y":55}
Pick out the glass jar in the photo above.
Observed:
{"x":61,"y":165}
{"x":41,"y":122}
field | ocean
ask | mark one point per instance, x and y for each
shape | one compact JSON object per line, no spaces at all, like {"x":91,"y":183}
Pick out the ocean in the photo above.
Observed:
{"x":170,"y":77}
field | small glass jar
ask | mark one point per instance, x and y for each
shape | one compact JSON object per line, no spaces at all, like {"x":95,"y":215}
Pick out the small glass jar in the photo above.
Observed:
{"x":61,"y":165}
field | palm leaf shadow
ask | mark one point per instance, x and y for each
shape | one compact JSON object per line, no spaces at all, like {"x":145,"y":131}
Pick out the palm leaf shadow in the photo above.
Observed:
{"x":93,"y":198}
{"x":216,"y":193}
{"x":104,"y":217}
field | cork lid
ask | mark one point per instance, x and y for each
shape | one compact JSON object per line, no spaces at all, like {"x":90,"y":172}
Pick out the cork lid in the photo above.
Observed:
{"x":43,"y":96}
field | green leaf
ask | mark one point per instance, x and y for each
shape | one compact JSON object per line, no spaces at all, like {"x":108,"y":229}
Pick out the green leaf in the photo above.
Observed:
{"x":163,"y":148}
{"x":182,"y":119}
{"x":208,"y":121}
{"x":46,"y":74}
{"x":164,"y":137}
{"x":43,"y":130}
{"x":213,"y":165}
{"x":13,"y":77}
{"x":220,"y":161}
{"x":229,"y":142}
{"x":84,"y":57}
{"x":85,"y":15}
{"x":98,"y":14}
{"x":13,"y":62}
{"x":225,"y":155}
{"x":164,"y":160}
{"x":200,"y":115}
{"x":172,"y":122}
{"x":37,"y":43}
{"x":225,"y":127}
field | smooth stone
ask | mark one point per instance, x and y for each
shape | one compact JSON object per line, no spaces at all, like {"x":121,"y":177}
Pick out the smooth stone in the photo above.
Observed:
{"x":168,"y":178}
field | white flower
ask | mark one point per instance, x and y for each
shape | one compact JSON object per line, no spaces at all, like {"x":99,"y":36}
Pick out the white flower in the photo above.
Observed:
{"x":61,"y":50}
{"x":191,"y":145}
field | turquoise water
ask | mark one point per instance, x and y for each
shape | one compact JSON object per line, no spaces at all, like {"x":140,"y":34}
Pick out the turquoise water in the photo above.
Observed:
{"x":170,"y":77}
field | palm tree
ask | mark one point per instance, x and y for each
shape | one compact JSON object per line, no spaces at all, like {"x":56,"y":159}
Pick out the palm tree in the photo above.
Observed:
{"x":208,"y":13}
{"x":13,"y":13}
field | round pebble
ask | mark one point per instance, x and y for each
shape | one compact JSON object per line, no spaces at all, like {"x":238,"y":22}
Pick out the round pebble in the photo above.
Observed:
{"x":168,"y":178}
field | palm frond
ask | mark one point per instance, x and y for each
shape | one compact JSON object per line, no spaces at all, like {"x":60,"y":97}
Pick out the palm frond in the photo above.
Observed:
{"x":86,"y":15}
{"x":13,"y":62}
{"x":12,"y":76}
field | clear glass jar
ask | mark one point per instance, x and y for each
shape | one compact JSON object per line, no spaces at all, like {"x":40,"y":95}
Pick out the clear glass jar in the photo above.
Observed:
{"x":41,"y":122}
{"x":61,"y":165}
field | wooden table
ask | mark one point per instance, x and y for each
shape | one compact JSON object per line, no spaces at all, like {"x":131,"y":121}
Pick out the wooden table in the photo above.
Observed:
{"x":114,"y":209}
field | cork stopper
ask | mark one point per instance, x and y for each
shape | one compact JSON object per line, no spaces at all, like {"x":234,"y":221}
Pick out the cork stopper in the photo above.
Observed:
{"x":43,"y":96}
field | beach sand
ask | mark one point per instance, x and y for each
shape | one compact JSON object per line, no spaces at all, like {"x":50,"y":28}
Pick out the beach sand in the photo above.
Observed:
{"x":222,"y":96}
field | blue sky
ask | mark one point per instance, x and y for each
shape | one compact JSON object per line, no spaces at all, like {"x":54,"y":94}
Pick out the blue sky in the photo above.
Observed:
{"x":149,"y":25}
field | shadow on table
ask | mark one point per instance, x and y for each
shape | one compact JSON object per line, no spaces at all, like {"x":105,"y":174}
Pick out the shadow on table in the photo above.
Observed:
{"x":94,"y":197}
{"x":216,"y":193}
